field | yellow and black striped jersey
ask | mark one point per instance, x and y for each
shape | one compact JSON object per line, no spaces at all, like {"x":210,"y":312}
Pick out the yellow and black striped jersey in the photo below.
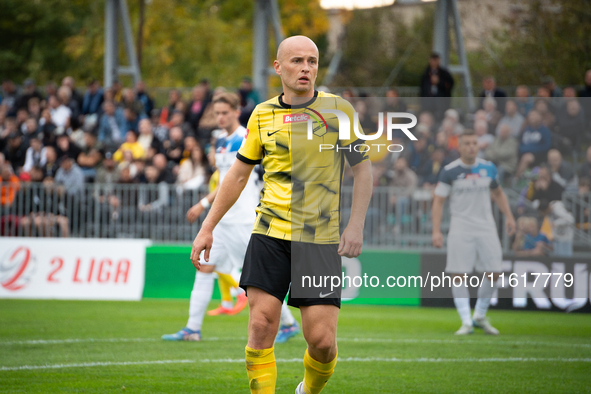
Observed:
{"x":300,"y":199}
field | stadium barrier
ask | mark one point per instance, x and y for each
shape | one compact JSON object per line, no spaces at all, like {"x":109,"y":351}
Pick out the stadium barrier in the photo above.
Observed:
{"x":395,"y":219}
{"x":580,"y":207}
{"x":154,"y":211}
{"x":72,"y":269}
{"x":518,"y":290}
{"x":124,"y":269}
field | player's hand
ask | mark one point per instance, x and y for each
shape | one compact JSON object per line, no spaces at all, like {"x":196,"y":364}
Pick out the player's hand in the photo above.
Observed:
{"x":203,"y":241}
{"x":510,"y":226}
{"x":194,"y":212}
{"x":351,"y":242}
{"x":437,"y":239}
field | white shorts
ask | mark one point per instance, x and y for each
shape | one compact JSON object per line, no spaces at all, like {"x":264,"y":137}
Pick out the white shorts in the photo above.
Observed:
{"x":467,"y":252}
{"x":229,"y":246}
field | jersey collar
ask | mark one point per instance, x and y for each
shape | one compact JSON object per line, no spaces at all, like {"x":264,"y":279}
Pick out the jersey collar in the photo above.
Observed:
{"x":462,"y":164}
{"x":304,"y":105}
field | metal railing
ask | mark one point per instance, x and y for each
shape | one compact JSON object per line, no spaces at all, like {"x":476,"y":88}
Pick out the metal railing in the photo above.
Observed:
{"x":158,"y":212}
{"x":580,"y":207}
{"x":155,"y":211}
{"x":396,"y":219}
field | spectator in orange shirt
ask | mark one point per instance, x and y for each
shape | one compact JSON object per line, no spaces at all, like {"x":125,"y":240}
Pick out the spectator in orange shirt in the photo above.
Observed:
{"x":10,"y":185}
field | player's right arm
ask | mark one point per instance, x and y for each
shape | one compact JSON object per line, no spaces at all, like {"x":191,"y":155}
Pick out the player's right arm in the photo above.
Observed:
{"x":436,"y":213}
{"x":442,"y":190}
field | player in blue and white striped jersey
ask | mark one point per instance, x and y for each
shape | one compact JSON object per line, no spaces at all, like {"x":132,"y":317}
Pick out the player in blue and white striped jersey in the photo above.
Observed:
{"x":472,"y":242}
{"x":232,"y":234}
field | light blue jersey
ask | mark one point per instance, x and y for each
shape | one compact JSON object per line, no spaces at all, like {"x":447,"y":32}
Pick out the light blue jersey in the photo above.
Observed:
{"x":242,"y":212}
{"x":468,"y":187}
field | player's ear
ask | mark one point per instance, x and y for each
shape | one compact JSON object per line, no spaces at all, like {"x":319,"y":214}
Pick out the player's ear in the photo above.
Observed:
{"x":277,"y":67}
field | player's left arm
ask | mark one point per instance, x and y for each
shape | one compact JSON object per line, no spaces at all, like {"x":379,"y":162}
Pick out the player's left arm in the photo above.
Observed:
{"x":196,"y":210}
{"x":500,"y":198}
{"x":352,"y":237}
{"x":228,"y":193}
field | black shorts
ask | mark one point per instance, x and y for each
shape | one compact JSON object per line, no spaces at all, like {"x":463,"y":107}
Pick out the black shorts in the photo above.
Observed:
{"x":268,"y":266}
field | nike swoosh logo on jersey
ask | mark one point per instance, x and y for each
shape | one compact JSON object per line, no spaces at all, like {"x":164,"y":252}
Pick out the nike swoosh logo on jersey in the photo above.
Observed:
{"x":325,"y":295}
{"x":270,"y":134}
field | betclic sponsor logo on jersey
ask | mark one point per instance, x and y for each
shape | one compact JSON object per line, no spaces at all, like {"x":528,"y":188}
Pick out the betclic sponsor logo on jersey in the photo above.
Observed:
{"x":294,"y":118}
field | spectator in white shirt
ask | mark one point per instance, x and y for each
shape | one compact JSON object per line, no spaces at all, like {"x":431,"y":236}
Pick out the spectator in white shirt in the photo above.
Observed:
{"x":35,"y":155}
{"x":60,"y":114}
{"x":512,"y":118}
{"x":484,"y":139}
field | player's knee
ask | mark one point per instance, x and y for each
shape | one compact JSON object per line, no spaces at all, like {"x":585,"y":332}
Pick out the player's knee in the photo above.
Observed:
{"x":322,"y":343}
{"x":262,"y":324}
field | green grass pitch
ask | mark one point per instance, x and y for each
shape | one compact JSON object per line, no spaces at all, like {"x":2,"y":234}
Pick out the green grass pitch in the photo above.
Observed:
{"x":114,"y":347}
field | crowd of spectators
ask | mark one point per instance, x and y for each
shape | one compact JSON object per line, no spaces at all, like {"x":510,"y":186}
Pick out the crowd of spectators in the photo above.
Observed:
{"x":118,"y":135}
{"x":536,"y":139}
{"x":66,"y":139}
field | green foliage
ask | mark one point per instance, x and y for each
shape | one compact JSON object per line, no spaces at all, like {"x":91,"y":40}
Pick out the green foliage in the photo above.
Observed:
{"x":546,"y":38}
{"x":553,"y":38}
{"x":365,"y":62}
{"x":184,"y":40}
{"x":33,"y":34}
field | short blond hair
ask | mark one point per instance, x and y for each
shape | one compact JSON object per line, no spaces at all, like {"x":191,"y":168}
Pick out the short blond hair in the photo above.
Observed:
{"x":231,"y":99}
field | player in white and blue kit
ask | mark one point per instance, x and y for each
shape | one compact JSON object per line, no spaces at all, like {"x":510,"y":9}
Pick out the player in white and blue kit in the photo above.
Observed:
{"x":473,"y":242}
{"x":232,"y":234}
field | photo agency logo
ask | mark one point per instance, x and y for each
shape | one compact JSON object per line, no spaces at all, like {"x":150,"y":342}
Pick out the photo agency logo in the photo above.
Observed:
{"x":318,"y":126}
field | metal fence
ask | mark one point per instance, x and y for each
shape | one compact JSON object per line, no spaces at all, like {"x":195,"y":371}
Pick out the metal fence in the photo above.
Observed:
{"x":155,"y":211}
{"x":580,"y":207}
{"x":158,"y":212}
{"x":395,"y":218}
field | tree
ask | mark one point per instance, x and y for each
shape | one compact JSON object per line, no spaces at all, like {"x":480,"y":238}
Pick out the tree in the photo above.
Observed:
{"x":551,"y":38}
{"x":376,"y":40}
{"x":184,"y":40}
{"x":33,"y":36}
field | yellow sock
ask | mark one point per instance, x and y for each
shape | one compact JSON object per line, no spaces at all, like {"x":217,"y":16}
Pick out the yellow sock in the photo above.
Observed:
{"x":261,"y":370}
{"x":316,"y":374}
{"x":226,"y":282}
{"x":228,"y":278}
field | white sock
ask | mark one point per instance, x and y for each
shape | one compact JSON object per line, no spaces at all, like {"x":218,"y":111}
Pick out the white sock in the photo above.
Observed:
{"x":227,"y":304}
{"x":236,"y":291}
{"x":287,"y":318}
{"x":485,"y":293}
{"x":462,"y":302}
{"x":200,"y":297}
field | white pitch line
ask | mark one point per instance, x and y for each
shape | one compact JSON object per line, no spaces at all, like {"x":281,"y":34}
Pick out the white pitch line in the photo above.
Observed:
{"x":111,"y":340}
{"x":299,"y":360}
{"x":72,"y":340}
{"x":464,"y":341}
{"x":363,"y":340}
{"x":96,"y":364}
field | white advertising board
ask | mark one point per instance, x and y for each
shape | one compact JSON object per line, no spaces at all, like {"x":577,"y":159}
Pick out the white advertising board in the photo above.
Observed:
{"x":72,"y":268}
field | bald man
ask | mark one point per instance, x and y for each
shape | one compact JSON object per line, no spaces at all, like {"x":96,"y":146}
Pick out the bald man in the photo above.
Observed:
{"x":298,"y":212}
